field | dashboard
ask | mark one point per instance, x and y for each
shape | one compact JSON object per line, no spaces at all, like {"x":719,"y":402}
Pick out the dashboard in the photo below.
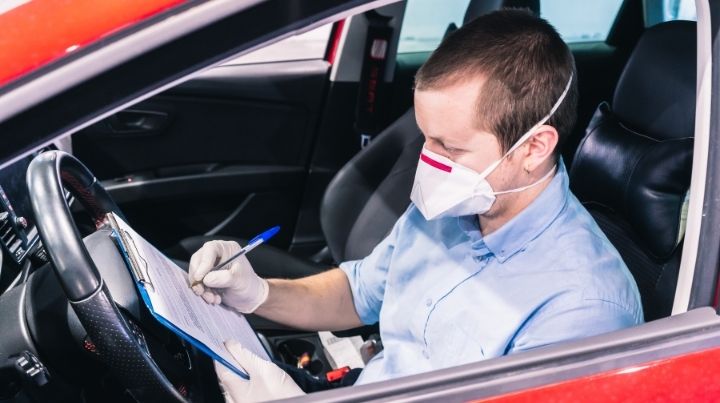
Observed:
{"x":19,"y":237}
{"x":17,"y":228}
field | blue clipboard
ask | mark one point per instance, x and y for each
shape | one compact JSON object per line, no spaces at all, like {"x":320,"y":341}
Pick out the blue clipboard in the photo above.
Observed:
{"x":141,"y":281}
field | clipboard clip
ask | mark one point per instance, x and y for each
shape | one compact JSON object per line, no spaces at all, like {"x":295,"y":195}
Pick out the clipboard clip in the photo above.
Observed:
{"x":138,"y":264}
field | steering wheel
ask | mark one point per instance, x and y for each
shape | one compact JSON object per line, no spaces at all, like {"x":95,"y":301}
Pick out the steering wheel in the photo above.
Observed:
{"x":47,"y":176}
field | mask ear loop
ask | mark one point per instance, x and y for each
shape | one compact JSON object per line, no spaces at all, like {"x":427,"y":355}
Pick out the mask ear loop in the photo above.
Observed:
{"x":525,"y":137}
{"x":526,"y":187}
{"x":544,"y":120}
{"x":530,"y":132}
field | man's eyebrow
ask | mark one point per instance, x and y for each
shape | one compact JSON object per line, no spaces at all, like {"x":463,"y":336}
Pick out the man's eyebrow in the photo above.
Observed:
{"x":433,"y":138}
{"x":444,"y":144}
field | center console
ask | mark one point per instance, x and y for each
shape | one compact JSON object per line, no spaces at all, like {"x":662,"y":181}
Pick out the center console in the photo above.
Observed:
{"x":320,"y":355}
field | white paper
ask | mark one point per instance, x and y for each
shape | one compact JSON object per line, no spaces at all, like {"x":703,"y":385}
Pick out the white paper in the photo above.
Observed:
{"x":342,"y":351}
{"x":172,"y":298}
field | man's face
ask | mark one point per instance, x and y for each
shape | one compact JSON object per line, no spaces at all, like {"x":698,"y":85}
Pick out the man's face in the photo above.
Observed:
{"x":447,"y":118}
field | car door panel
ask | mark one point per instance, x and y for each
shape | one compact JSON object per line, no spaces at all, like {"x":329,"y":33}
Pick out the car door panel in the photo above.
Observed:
{"x":225,"y":153}
{"x":228,"y":200}
{"x":552,"y":373}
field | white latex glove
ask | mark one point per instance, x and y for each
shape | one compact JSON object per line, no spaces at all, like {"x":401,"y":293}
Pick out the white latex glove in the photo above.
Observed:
{"x":267,"y":380}
{"x":235,"y":285}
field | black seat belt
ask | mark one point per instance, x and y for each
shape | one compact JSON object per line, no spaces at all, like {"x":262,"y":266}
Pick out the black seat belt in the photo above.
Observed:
{"x":370,"y":107}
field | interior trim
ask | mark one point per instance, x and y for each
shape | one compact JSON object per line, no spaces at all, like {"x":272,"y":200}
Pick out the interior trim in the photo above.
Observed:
{"x":688,"y":261}
{"x":237,"y":178}
{"x":349,"y":56}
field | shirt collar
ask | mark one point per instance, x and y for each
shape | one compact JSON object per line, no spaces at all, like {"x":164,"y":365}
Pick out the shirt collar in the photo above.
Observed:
{"x":524,"y":227}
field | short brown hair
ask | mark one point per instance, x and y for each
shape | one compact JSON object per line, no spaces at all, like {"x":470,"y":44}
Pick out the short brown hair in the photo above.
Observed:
{"x":526,"y":66}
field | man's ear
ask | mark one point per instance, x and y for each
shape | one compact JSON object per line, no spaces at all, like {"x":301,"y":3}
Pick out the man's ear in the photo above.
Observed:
{"x":540,"y":147}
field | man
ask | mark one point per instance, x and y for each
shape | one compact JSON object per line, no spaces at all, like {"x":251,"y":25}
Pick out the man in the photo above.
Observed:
{"x":494,"y":255}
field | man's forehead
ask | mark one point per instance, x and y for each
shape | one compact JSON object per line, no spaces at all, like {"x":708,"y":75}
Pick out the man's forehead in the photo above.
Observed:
{"x":448,"y":113}
{"x":455,"y":91}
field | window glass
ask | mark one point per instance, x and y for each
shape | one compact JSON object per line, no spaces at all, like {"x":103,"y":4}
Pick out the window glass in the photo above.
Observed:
{"x":581,"y":21}
{"x":679,"y":10}
{"x":308,"y":45}
{"x":426,"y":22}
{"x":657,"y":11}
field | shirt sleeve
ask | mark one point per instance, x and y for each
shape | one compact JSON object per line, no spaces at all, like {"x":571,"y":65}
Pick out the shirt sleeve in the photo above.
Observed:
{"x":367,"y":276}
{"x":569,"y":318}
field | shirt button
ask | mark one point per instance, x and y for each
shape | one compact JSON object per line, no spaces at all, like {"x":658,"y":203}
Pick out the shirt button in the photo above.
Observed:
{"x":426,"y":354}
{"x":428,"y":302}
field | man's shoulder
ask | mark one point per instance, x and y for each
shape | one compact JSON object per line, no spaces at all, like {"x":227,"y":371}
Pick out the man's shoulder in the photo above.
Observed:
{"x":575,"y":230}
{"x":598,"y":271}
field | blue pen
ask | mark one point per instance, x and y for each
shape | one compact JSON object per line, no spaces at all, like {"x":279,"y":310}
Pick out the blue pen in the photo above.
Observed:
{"x":254,"y":243}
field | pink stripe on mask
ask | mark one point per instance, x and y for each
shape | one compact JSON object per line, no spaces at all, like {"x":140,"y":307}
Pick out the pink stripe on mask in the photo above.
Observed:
{"x":435,"y":164}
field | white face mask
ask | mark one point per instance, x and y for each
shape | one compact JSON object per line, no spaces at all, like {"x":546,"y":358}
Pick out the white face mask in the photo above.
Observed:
{"x":444,"y":188}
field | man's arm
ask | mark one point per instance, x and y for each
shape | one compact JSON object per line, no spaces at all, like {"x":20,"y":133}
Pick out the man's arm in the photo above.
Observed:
{"x":572,"y":317}
{"x":337,"y":299}
{"x":320,"y":302}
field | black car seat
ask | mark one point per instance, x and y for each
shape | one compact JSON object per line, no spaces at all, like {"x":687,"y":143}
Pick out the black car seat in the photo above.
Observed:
{"x":632,"y":169}
{"x":365,"y":197}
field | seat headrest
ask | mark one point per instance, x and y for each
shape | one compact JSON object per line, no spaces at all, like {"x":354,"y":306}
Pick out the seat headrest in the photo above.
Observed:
{"x":656,"y":91}
{"x":477,"y":8}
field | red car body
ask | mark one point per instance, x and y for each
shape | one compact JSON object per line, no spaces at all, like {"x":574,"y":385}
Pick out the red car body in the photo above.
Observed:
{"x":38,"y":33}
{"x":685,"y":378}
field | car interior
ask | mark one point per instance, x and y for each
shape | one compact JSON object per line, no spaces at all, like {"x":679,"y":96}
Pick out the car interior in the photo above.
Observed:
{"x":243,"y":147}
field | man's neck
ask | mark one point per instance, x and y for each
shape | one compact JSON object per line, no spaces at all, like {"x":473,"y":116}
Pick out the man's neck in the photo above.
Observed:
{"x":512,"y":205}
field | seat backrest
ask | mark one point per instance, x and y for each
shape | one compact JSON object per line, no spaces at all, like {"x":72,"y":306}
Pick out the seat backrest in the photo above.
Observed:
{"x":372,"y":190}
{"x":632,"y":169}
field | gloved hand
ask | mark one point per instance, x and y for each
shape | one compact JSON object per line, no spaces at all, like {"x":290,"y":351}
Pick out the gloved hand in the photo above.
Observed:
{"x":235,"y":285}
{"x":267,"y":380}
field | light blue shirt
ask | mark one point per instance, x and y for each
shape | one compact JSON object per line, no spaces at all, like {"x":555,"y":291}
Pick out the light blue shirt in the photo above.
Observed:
{"x":445,"y":295}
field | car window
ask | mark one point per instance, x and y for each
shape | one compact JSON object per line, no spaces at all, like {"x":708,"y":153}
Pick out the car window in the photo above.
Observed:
{"x":581,"y":21}
{"x":657,"y":11}
{"x":306,"y":46}
{"x":426,"y":21}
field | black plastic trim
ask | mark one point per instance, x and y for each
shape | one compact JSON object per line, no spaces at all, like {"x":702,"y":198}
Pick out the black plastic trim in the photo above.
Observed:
{"x":246,"y":178}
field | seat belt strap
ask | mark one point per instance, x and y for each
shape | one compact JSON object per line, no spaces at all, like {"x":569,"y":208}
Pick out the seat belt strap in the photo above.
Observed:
{"x":370,"y":106}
